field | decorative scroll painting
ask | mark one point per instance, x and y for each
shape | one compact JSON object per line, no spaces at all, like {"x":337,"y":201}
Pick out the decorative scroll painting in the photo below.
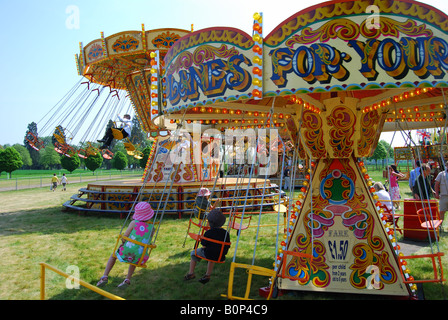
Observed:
{"x":109,"y":60}
{"x":172,"y":161}
{"x":338,"y":47}
{"x":344,"y":235}
{"x":208,"y":66}
{"x":346,"y":47}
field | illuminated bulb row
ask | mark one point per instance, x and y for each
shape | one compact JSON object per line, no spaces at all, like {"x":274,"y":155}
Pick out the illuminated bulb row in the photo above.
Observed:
{"x":103,"y":44}
{"x":154,"y":81}
{"x":404,"y":96}
{"x":387,"y":227}
{"x":406,"y":114}
{"x":143,"y":37}
{"x":294,"y":208}
{"x":238,"y":112}
{"x":257,"y":123}
{"x":77,"y":64}
{"x":151,"y":153}
{"x":81,"y":58}
{"x":257,"y":36}
{"x":306,"y":105}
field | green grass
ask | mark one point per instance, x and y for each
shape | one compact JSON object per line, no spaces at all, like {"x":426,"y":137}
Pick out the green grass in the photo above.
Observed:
{"x":35,"y":229}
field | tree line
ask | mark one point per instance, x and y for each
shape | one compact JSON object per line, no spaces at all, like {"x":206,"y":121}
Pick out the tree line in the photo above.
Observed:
{"x":23,"y":156}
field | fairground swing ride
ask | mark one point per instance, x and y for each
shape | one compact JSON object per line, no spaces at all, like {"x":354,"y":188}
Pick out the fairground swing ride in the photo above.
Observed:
{"x":320,"y":87}
{"x":329,"y":79}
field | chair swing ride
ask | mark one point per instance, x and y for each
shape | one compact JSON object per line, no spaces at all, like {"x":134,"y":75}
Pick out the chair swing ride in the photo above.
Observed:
{"x":328,"y":81}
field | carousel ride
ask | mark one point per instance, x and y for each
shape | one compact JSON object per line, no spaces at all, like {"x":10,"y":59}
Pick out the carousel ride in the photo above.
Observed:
{"x":319,"y":89}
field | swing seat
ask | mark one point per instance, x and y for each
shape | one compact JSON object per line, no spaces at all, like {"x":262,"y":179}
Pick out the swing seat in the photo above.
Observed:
{"x":64,"y":149}
{"x":237,"y":226}
{"x":198,"y":224}
{"x":138,"y":155}
{"x":429,"y":217}
{"x":250,"y":271}
{"x":82,"y":154}
{"x":38,"y":145}
{"x":34,"y":141}
{"x":129,"y":146}
{"x":147,"y":249}
{"x":221,"y":257}
{"x":200,"y":214}
{"x":90,"y":150}
{"x":59,"y":136}
{"x":117,"y":134}
{"x":107,"y":154}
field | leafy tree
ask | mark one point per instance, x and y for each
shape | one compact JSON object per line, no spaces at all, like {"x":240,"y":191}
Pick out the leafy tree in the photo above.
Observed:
{"x":389,"y":149}
{"x":94,"y":162}
{"x":138,"y":136}
{"x":10,"y":160}
{"x":24,"y":154}
{"x":144,"y":160}
{"x":34,"y":154}
{"x":70,"y":163}
{"x":119,"y":161}
{"x":379,"y":153}
{"x":49,"y":158}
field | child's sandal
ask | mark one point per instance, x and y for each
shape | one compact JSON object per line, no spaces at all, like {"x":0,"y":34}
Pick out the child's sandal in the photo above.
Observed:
{"x":204,"y":279}
{"x":189,"y":276}
{"x":124,"y":284}
{"x":102,"y":282}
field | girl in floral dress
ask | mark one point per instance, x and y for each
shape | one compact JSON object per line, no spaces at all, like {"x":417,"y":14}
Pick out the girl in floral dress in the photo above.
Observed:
{"x":139,"y":230}
{"x":394,"y":174}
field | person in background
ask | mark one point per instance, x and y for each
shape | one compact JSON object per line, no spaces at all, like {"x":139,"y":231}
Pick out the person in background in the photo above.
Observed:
{"x":64,"y":182}
{"x":125,"y":131}
{"x":202,"y":202}
{"x":394,"y":175}
{"x":383,"y":195}
{"x":413,"y":175}
{"x":54,"y":182}
{"x":441,"y":191}
{"x":422,"y":187}
{"x":287,"y":177}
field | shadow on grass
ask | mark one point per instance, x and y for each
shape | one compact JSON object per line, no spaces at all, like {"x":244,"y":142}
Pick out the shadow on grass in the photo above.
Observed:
{"x":54,"y":220}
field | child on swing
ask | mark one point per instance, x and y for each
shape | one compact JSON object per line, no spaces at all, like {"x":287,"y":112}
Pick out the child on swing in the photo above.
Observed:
{"x":210,"y":250}
{"x":139,"y":230}
{"x":202,"y":202}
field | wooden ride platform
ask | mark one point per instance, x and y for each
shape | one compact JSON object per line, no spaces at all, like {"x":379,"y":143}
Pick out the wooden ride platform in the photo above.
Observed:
{"x":178,"y":198}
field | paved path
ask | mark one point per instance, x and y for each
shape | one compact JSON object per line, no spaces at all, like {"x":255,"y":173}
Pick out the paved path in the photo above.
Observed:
{"x":409,"y":247}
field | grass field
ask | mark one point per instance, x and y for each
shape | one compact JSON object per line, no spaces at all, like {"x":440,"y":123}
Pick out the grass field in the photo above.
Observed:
{"x":34,"y":229}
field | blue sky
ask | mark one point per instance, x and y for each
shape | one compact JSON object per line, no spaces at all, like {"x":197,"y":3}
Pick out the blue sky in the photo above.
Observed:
{"x":37,"y":55}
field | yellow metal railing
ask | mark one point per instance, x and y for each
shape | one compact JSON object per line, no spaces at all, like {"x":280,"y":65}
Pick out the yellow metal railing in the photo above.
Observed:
{"x":44,"y":266}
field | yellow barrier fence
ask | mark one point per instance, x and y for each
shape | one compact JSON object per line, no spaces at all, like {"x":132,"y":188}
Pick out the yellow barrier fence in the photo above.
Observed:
{"x":44,"y":266}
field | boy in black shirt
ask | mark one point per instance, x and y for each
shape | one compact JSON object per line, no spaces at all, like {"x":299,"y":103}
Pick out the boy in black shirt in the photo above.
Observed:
{"x":211,"y":250}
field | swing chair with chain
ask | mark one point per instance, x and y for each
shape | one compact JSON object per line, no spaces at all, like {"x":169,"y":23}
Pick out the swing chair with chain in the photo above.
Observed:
{"x":71,"y":106}
{"x":32,"y":137}
{"x":147,"y":247}
{"x":428,"y":216}
{"x":200,"y":221}
{"x":252,"y":269}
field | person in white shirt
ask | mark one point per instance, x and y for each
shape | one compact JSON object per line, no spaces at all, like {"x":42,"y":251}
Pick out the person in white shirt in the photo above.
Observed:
{"x":441,"y":190}
{"x":383,"y":195}
{"x":125,"y":131}
{"x":64,"y":182}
